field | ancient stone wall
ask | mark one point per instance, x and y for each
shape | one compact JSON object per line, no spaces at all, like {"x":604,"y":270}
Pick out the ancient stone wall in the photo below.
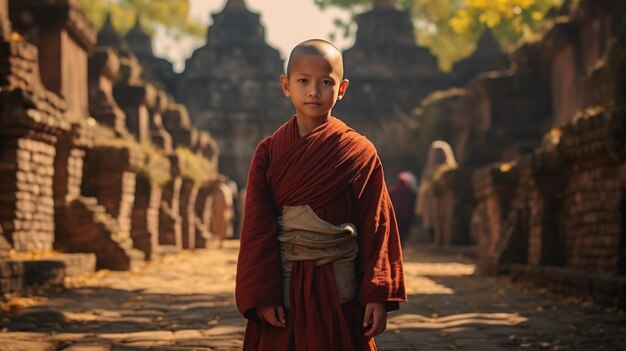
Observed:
{"x":31,"y":120}
{"x":32,"y":123}
{"x":80,"y":184}
{"x":547,"y":120}
{"x":145,"y":216}
{"x":567,"y":209}
{"x":204,"y":202}
{"x":455,"y":201}
{"x":170,"y":221}
{"x":595,"y":150}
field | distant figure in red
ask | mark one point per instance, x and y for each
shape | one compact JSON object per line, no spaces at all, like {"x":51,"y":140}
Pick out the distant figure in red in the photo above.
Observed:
{"x":320,"y":262}
{"x":403,"y":193}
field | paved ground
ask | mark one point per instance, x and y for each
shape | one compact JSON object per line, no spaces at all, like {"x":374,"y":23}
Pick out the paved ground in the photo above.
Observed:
{"x":185,"y":302}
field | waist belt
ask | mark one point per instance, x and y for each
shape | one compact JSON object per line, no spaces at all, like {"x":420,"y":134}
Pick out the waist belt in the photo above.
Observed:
{"x":304,"y":236}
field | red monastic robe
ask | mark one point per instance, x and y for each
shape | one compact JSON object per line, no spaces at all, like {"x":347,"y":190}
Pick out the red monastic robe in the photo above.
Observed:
{"x":337,"y":172}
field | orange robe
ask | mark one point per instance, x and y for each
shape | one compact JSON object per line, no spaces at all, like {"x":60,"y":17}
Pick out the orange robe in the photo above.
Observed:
{"x":337,"y":172}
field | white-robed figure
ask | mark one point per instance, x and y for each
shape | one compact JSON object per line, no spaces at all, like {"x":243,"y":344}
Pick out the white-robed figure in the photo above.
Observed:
{"x":440,"y":159}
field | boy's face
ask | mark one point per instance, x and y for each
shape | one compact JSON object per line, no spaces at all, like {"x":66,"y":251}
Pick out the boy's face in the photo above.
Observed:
{"x":314,"y":85}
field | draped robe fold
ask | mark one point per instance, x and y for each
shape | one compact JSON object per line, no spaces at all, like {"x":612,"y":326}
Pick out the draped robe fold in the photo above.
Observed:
{"x":337,"y":172}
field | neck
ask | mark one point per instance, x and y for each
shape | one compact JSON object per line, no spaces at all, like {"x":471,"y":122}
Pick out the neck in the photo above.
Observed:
{"x":307,"y":125}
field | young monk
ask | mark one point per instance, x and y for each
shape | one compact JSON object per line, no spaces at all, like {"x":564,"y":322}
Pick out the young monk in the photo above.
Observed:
{"x":320,"y":262}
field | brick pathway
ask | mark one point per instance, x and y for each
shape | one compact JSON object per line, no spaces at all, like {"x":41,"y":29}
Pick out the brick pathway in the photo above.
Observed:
{"x":185,"y":302}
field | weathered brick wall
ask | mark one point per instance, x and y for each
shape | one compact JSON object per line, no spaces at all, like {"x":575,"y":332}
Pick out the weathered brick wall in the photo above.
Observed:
{"x":159,"y":135}
{"x":540,"y":193}
{"x":563,"y":56}
{"x":145,"y":216}
{"x":188,"y":194}
{"x":170,"y":222}
{"x":68,"y":163}
{"x":51,"y":169}
{"x":104,"y":68}
{"x":203,"y":207}
{"x":493,"y":186}
{"x":176,"y":121}
{"x":454,"y":200}
{"x":133,"y":98}
{"x":568,"y":207}
{"x":63,"y":37}
{"x":27,"y":207}
{"x":88,"y":227}
{"x":595,"y":150}
{"x":110,"y":175}
{"x":31,"y":118}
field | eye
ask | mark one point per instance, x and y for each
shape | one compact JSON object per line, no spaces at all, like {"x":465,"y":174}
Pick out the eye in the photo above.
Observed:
{"x":303,"y":80}
{"x":327,"y":82}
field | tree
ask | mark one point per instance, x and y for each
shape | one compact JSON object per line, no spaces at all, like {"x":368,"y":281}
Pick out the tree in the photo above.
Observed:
{"x":171,"y":14}
{"x":450,"y":28}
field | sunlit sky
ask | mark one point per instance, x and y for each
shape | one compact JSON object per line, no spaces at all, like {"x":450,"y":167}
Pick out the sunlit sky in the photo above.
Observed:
{"x":286,"y":22}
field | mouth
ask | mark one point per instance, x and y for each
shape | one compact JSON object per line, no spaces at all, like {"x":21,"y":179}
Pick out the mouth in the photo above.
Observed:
{"x":313,"y":103}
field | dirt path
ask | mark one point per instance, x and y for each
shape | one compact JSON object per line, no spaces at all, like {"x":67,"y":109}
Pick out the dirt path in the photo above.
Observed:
{"x":186,"y":302}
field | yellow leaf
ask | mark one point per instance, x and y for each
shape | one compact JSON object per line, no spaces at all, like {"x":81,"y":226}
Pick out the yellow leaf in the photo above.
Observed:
{"x":460,"y":22}
{"x":490,"y":18}
{"x":537,"y":15}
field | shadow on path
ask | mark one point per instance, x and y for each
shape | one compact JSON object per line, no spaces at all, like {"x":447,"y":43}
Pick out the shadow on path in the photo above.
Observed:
{"x":453,"y":308}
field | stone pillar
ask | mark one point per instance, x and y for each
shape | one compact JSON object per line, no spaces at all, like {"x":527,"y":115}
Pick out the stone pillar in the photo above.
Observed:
{"x":104,"y":68}
{"x":145,"y":229}
{"x":207,"y":147}
{"x":26,"y":204}
{"x":159,"y":135}
{"x":563,"y":56}
{"x":134,"y":99}
{"x":145,"y":216}
{"x":592,"y":201}
{"x":494,"y":189}
{"x":176,"y":121}
{"x":110,"y":175}
{"x":63,"y":37}
{"x":188,"y":194}
{"x":546,"y":180}
{"x":204,"y":201}
{"x":170,"y":229}
{"x":454,"y":202}
{"x":31,"y":119}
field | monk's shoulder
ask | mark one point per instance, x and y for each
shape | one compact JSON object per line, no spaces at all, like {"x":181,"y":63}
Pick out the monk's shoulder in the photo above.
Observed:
{"x":361,"y":143}
{"x":263,"y":150}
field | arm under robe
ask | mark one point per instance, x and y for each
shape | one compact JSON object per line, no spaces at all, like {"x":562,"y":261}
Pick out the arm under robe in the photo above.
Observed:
{"x":259,"y":272}
{"x":380,"y":255}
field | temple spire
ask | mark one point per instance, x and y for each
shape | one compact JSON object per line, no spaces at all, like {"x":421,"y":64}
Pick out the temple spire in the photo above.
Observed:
{"x":385,"y":4}
{"x":487,"y":43}
{"x":108,"y":22}
{"x":139,"y":41}
{"x":235,"y":5}
{"x":137,"y":22}
{"x":109,"y":36}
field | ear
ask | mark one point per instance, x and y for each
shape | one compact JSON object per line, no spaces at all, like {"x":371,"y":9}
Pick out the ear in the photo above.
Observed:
{"x":284,"y":83}
{"x":343,"y":87}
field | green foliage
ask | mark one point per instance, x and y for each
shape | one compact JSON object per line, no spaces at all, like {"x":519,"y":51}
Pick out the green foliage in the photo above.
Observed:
{"x":172,"y":14}
{"x":156,"y":166}
{"x":450,"y":28}
{"x":194,"y":166}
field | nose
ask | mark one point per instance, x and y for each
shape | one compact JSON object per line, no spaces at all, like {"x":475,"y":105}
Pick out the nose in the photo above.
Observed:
{"x":314,"y":91}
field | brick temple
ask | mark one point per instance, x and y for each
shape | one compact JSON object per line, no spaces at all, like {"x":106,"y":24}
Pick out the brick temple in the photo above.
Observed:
{"x":101,"y":164}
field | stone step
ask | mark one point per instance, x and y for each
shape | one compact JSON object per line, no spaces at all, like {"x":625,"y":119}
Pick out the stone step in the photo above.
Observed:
{"x":22,"y":275}
{"x":98,"y":232}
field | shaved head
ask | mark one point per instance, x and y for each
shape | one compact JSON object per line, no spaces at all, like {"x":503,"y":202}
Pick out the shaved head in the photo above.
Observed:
{"x":317,"y":47}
